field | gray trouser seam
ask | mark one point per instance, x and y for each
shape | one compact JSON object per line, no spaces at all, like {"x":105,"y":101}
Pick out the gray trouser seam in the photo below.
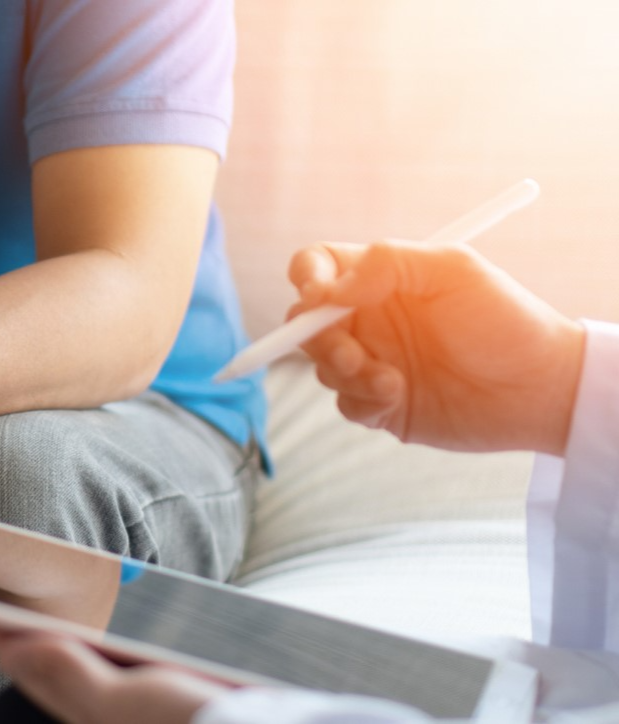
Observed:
{"x":179,"y":496}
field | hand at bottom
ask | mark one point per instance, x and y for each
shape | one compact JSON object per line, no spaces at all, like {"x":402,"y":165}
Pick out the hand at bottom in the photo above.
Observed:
{"x":75,"y":684}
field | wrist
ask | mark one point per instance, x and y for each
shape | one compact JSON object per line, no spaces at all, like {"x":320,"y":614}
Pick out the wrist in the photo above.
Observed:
{"x":561,"y":388}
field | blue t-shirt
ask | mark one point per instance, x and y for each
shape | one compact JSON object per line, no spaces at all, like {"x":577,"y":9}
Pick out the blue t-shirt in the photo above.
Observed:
{"x":84,"y":73}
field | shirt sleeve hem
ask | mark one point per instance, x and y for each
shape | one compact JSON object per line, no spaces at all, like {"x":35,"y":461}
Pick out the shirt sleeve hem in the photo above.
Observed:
{"x":129,"y":128}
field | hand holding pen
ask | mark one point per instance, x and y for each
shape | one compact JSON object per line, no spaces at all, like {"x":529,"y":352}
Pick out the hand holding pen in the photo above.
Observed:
{"x":444,"y":348}
{"x":285,"y":338}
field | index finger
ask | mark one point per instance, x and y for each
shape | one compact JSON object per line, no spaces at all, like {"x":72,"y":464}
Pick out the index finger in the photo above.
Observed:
{"x":314,"y":269}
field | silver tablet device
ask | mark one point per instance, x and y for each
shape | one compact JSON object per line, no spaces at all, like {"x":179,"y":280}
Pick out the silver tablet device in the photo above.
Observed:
{"x":137,"y":612}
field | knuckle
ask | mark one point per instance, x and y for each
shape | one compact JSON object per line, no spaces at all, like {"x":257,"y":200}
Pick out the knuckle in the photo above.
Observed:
{"x":379,"y":252}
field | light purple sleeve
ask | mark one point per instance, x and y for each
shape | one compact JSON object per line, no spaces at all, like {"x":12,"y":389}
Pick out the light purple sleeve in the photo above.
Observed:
{"x":117,"y":72}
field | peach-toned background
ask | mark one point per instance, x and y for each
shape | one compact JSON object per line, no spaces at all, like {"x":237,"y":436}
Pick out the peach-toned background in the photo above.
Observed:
{"x":359,"y":119}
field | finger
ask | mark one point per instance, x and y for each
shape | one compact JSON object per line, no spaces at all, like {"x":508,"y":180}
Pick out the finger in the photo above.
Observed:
{"x":371,"y":414}
{"x":380,"y":272}
{"x":159,"y":694}
{"x":64,"y":677}
{"x":336,"y":349}
{"x":375,"y":383}
{"x":75,"y":684}
{"x":315,"y":269}
{"x":311,"y":271}
{"x":334,"y":345}
{"x":295,"y":310}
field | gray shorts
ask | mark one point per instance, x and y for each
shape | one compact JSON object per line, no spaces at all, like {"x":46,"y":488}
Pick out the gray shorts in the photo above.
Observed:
{"x":142,"y":478}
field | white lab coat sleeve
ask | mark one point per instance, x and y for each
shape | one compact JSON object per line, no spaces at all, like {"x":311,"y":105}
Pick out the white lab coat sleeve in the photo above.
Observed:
{"x":300,"y":706}
{"x":573,"y":513}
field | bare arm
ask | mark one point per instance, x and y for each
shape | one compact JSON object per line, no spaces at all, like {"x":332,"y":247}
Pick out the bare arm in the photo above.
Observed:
{"x":118,"y":232}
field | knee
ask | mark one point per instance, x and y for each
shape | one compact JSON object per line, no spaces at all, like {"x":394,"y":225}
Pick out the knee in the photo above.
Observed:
{"x":28,"y":442}
{"x":48,"y":476}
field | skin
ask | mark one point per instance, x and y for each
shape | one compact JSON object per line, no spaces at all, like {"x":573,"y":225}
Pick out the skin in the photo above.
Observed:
{"x":90,"y":322}
{"x":443,"y":348}
{"x":118,"y":236}
{"x":60,"y":579}
{"x":94,"y":318}
{"x":78,"y":686}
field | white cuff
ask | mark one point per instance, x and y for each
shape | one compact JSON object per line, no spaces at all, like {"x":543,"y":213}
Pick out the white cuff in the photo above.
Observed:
{"x":300,"y":706}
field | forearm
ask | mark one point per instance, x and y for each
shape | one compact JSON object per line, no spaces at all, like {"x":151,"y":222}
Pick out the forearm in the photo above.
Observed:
{"x":77,"y":333}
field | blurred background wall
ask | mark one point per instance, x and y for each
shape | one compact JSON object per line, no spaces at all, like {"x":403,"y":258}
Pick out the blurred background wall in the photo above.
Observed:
{"x":361,"y":119}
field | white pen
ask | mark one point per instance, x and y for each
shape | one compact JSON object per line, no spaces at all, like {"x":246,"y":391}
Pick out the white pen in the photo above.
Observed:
{"x":284,"y":339}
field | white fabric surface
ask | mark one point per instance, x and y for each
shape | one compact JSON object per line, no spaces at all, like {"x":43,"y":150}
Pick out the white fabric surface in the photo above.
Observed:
{"x":428,"y":579}
{"x":359,"y":526}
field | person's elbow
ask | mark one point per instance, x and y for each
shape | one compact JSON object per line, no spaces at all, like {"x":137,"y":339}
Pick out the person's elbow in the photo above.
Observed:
{"x":144,"y":358}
